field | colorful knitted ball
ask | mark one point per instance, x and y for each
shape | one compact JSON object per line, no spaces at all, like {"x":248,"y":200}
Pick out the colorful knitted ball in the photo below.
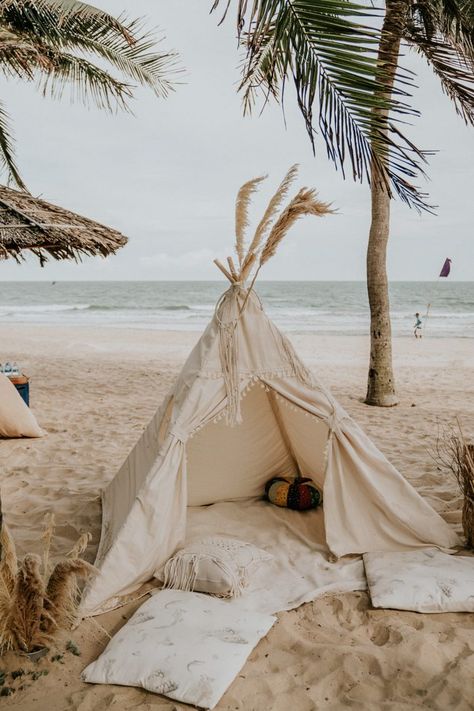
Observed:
{"x":298,"y":493}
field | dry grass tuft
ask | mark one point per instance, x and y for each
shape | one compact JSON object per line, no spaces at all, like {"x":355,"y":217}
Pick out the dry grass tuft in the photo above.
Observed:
{"x":34,"y":603}
{"x":8,"y":562}
{"x":62,"y":593}
{"x":78,"y":549}
{"x":27,"y":604}
{"x":241,"y":214}
{"x":457,"y":456}
{"x":47,"y":537}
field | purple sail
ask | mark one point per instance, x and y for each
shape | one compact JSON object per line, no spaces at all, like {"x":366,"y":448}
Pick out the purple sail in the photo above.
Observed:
{"x":446,"y":268}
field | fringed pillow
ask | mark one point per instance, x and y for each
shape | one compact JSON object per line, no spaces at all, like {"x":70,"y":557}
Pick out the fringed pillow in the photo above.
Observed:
{"x":218,"y":566}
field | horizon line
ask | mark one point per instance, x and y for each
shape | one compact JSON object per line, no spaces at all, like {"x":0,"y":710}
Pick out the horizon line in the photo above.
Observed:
{"x":222,"y":281}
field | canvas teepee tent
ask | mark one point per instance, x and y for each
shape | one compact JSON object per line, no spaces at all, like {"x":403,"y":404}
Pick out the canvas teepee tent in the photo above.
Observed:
{"x":243,"y":409}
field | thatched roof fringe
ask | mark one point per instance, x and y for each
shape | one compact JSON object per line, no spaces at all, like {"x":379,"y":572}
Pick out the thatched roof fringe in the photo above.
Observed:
{"x":46,"y":230}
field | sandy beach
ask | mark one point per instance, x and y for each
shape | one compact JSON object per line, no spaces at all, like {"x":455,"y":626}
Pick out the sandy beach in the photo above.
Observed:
{"x":94,"y":391}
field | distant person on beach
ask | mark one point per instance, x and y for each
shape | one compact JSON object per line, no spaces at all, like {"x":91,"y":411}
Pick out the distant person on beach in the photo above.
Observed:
{"x":418,"y":326}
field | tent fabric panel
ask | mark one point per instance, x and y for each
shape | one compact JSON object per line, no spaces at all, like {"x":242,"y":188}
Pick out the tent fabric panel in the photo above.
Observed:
{"x":309,"y":439}
{"x":154,"y":528}
{"x":119,"y":495}
{"x":369,"y":505}
{"x":229,"y":463}
{"x":155,"y":523}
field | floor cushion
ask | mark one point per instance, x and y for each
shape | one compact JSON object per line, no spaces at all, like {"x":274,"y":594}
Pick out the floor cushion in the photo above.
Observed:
{"x":216,"y":565}
{"x":184,"y":645}
{"x":424,"y":580}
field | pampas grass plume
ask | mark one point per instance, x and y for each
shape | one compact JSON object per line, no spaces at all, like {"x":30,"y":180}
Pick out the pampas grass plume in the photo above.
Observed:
{"x":241,"y":214}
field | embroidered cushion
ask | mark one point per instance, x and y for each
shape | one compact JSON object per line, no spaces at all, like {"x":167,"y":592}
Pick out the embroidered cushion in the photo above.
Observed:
{"x":219,"y":566}
{"x":425,"y":580}
{"x":187,"y":646}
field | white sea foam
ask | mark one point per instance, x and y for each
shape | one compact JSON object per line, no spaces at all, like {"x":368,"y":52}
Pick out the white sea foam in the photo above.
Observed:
{"x":320,"y":307}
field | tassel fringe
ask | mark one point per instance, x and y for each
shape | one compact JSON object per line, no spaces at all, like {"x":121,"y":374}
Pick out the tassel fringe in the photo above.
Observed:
{"x":182,"y":570}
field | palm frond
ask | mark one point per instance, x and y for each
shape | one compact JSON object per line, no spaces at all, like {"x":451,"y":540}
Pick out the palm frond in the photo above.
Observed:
{"x":123,"y":43}
{"x":442,"y":31}
{"x":457,"y":79}
{"x":456,"y":21}
{"x":139,"y":60}
{"x":7,"y":152}
{"x":60,"y":41}
{"x":86,"y":83}
{"x":45,"y":16}
{"x":242,"y":204}
{"x":329,"y":53}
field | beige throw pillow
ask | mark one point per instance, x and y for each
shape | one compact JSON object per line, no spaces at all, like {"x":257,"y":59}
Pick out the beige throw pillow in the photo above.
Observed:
{"x":218,"y":566}
{"x":16,"y":418}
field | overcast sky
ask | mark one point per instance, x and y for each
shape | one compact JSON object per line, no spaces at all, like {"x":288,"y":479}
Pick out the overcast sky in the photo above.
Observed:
{"x":167,"y":176}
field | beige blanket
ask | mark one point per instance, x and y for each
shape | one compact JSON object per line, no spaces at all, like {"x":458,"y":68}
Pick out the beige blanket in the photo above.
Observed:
{"x":301,"y":569}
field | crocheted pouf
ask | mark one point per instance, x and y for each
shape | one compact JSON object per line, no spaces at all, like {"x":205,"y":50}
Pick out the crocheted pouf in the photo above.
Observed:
{"x":298,"y":493}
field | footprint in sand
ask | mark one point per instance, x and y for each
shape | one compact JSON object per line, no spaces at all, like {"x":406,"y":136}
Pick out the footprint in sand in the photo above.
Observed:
{"x":383,"y":635}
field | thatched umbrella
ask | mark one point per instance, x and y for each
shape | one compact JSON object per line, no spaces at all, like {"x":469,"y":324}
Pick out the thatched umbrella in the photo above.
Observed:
{"x":28,"y":223}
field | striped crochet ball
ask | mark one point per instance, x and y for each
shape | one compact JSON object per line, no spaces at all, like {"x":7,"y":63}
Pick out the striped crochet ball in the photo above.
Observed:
{"x":300,"y":493}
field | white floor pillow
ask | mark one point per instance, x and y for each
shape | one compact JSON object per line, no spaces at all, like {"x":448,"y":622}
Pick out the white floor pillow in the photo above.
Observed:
{"x":425,"y":580}
{"x":216,"y":565}
{"x":185,"y":645}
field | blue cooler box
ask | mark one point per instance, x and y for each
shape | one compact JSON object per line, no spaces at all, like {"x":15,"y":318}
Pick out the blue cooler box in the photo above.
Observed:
{"x":23,"y":386}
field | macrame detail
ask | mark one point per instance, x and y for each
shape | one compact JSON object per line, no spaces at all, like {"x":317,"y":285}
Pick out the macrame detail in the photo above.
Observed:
{"x":181,"y":573}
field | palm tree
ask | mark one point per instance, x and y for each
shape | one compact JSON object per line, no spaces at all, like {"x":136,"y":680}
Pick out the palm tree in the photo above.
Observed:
{"x":349,"y":71}
{"x":62,"y":43}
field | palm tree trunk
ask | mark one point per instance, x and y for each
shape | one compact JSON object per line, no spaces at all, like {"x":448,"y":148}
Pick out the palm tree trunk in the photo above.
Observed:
{"x":381,"y":383}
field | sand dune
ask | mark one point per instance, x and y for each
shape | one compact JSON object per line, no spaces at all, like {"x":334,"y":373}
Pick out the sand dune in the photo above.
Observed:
{"x":95,"y":390}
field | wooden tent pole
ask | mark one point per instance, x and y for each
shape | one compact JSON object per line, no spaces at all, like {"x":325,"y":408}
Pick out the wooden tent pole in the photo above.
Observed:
{"x":223,"y":270}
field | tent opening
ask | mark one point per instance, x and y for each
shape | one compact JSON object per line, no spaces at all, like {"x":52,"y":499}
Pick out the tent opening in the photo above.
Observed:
{"x":275,"y":438}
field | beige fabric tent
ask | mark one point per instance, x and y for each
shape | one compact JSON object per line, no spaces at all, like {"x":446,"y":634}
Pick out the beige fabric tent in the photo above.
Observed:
{"x":206,"y":444}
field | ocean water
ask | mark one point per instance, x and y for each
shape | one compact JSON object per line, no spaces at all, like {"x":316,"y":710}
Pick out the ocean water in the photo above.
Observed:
{"x":318,"y":307}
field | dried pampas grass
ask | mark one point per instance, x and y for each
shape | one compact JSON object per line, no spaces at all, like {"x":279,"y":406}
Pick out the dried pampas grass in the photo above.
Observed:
{"x":241,"y":214}
{"x":457,"y":456}
{"x":27,"y":605}
{"x":272,"y":210}
{"x":304,"y":203}
{"x":35,"y":603}
{"x":62,"y":593}
{"x":47,"y":537}
{"x":81,"y":545}
{"x":8,"y":560}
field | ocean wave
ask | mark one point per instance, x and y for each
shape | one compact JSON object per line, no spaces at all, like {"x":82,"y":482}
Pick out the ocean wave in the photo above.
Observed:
{"x":132,"y":307}
{"x":42,"y":308}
